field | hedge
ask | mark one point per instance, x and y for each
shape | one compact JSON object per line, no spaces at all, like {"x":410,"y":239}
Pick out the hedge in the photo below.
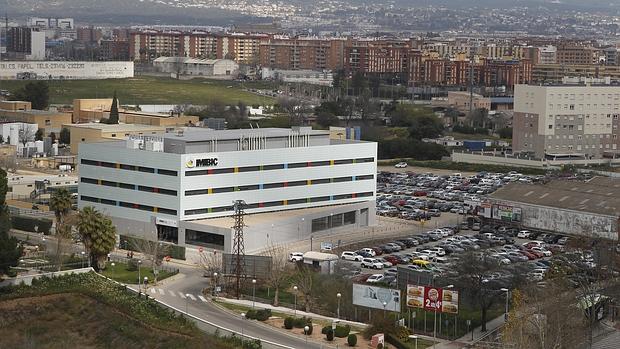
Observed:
{"x":342,"y":331}
{"x":288,"y":323}
{"x":28,"y":223}
{"x":352,"y":340}
{"x":127,"y":243}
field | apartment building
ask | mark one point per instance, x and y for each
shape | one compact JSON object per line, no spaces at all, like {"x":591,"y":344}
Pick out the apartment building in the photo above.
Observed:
{"x":567,"y":120}
{"x":300,"y":53}
{"x":578,"y":54}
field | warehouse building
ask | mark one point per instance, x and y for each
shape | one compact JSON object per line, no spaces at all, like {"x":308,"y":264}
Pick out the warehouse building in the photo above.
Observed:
{"x":590,"y":209}
{"x":196,"y":66}
{"x":180,"y":187}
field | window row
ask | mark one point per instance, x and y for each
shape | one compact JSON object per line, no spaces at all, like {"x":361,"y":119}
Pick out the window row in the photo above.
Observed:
{"x":278,"y":185}
{"x":129,"y":167}
{"x":278,"y":166}
{"x":129,"y":205}
{"x":128,"y":186}
{"x":230,"y":208}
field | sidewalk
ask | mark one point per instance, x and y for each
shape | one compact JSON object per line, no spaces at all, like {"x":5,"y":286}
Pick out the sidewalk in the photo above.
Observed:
{"x":467,"y":339}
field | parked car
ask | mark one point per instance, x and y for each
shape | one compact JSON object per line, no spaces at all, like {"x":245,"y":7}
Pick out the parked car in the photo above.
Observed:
{"x":374,"y":278}
{"x":371,"y":263}
{"x":295,"y":257}
{"x":351,"y":256}
{"x":370,"y":251}
{"x":386,"y":263}
{"x":524,"y":234}
{"x":401,"y":164}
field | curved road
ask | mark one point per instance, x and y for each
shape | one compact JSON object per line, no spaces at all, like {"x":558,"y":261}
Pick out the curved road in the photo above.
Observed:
{"x":192,"y":283}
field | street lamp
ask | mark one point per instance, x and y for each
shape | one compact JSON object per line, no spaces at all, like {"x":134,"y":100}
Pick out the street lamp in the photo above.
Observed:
{"x":139,"y":278}
{"x":295,"y":291}
{"x":186,"y":303}
{"x":146,"y":280}
{"x":507,"y":295}
{"x":338,"y":295}
{"x":306,"y":329}
{"x":384,"y":305}
{"x":112,"y":265}
{"x":435,"y":320}
{"x":253,"y":292}
{"x":242,"y":318}
{"x":82,"y":253}
{"x":214,"y":282}
{"x":415,"y":339}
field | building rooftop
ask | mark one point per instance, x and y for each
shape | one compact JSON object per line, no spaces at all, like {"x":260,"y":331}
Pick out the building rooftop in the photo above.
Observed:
{"x":205,"y":134}
{"x":117,"y":127}
{"x":599,"y":195}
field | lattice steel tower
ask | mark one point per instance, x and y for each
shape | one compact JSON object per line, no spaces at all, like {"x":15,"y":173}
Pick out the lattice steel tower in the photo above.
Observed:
{"x":238,"y":245}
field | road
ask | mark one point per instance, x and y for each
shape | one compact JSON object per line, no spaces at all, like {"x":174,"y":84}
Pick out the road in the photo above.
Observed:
{"x":175,"y":294}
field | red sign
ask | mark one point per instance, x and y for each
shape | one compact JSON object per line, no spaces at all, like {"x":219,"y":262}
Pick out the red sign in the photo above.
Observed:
{"x":432,"y":298}
{"x":167,"y":258}
{"x":200,"y":249}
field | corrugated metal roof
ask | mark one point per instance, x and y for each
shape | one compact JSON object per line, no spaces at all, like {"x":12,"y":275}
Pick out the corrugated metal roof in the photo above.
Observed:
{"x":600,"y":195}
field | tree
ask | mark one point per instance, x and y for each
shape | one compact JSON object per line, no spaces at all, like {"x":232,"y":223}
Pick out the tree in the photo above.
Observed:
{"x":425,"y":126}
{"x":1,"y":139}
{"x":358,"y":83}
{"x":98,"y":235}
{"x":26,"y":134}
{"x":304,"y":280}
{"x":65,"y":136}
{"x":36,"y":93}
{"x":478,"y":118}
{"x":10,"y":250}
{"x":38,"y":136}
{"x":153,"y":252}
{"x":295,"y":108}
{"x":505,"y":133}
{"x":470,"y":275}
{"x":326,"y":119}
{"x":280,"y":271}
{"x":53,"y":137}
{"x":113,"y":119}
{"x":60,"y":203}
{"x":545,"y":318}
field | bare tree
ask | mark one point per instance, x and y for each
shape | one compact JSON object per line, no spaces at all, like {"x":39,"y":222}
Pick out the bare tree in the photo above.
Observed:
{"x":304,"y":279}
{"x":8,"y":162}
{"x":545,"y":318}
{"x":296,"y":108}
{"x":153,"y":251}
{"x":280,"y":269}
{"x":211,"y":262}
{"x":26,"y":135}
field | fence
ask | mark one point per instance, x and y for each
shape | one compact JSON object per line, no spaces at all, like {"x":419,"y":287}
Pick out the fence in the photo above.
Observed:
{"x":27,"y":279}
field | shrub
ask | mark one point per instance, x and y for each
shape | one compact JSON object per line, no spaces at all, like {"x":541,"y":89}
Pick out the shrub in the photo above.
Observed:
{"x":288,"y":322}
{"x":352,"y":340}
{"x":329,"y":335}
{"x":342,"y":331}
{"x":263,"y":314}
{"x":29,"y":223}
{"x":132,"y":265}
{"x":301,"y":322}
{"x":380,"y":346}
{"x":325,"y":329}
{"x":251,"y":314}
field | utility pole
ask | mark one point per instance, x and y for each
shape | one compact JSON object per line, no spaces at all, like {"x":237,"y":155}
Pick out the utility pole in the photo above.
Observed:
{"x":471,"y":82}
{"x":238,"y":245}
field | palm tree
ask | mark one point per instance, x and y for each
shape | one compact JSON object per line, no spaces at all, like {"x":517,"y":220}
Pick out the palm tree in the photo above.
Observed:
{"x":98,"y":235}
{"x":60,"y":203}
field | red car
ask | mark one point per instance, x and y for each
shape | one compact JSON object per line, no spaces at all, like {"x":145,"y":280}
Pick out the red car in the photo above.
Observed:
{"x":419,"y":193}
{"x":392,"y":260}
{"x":536,"y":253}
{"x":529,"y":255}
{"x":377,"y":250}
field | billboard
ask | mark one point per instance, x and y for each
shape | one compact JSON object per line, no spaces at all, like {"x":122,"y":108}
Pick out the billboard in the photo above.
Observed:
{"x":60,"y":70}
{"x":258,"y":267}
{"x":507,"y":213}
{"x":433,"y":299}
{"x":374,"y":297}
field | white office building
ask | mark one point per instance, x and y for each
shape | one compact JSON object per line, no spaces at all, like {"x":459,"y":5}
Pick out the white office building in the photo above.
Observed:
{"x":180,"y":187}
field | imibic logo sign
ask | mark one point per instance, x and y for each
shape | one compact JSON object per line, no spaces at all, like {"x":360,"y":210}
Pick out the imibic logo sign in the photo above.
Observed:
{"x":201,"y":163}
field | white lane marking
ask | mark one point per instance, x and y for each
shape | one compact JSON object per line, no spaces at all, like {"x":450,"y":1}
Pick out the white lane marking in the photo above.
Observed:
{"x":152,"y":290}
{"x":191,"y":297}
{"x":202,"y":298}
{"x":162,"y":292}
{"x":172,"y":294}
{"x":182,"y":295}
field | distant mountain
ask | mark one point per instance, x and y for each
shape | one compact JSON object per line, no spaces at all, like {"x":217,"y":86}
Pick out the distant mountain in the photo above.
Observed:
{"x":564,"y":4}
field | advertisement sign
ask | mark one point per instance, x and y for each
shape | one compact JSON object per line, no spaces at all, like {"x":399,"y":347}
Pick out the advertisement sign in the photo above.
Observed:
{"x":486,"y":210}
{"x":450,"y":301}
{"x":374,"y":297}
{"x":507,"y":213}
{"x":433,"y":299}
{"x":48,"y":70}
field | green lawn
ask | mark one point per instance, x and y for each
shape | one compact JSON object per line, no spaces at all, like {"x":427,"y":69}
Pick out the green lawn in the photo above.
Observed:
{"x":150,"y":90}
{"x":120,"y":273}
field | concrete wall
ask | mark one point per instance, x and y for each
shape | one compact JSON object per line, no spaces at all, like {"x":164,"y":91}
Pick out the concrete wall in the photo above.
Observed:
{"x":67,"y":70}
{"x":27,"y":279}
{"x":490,"y":159}
{"x":567,"y":221}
